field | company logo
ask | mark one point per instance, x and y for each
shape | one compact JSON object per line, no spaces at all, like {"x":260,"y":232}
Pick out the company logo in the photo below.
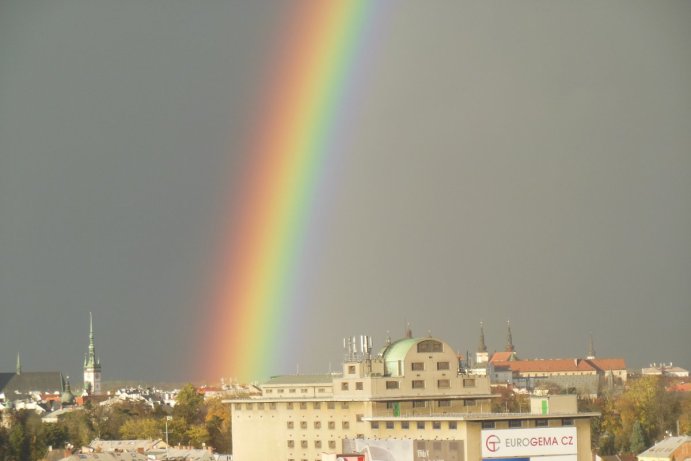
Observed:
{"x":492,"y":443}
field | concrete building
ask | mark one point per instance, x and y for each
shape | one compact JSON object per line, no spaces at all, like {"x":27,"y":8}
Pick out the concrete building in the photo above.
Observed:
{"x":411,"y":399}
{"x":665,"y":369}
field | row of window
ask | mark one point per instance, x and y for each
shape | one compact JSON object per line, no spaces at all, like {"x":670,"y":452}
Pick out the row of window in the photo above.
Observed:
{"x":290,"y":405}
{"x":516,"y":423}
{"x":317,"y":444}
{"x":420,"y":384}
{"x":293,"y":390}
{"x":420,"y":366}
{"x":318,"y":424}
{"x":428,"y":403}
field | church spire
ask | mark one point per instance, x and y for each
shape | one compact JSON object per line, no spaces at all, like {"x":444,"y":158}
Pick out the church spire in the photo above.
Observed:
{"x":19,"y":365}
{"x":92,"y":366}
{"x":482,"y":347}
{"x":591,"y":348}
{"x":91,"y":357}
{"x":509,"y":340}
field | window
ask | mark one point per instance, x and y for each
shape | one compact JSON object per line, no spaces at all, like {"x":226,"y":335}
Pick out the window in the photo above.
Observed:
{"x":488,"y":424}
{"x":290,"y":424}
{"x":429,"y":345}
{"x":453,"y":425}
{"x":280,"y":391}
{"x":344,"y":405}
{"x":540,"y":423}
{"x":351,"y":369}
{"x":303,"y":424}
{"x":249,"y":406}
{"x":304,"y":391}
{"x":453,"y":446}
{"x":392,"y":384}
{"x":345,"y":425}
{"x":332,"y":444}
{"x":289,"y":405}
{"x":417,"y":366}
{"x":268,"y":391}
{"x":390,"y":405}
{"x":238,"y":406}
{"x":291,"y":443}
{"x":316,"y":405}
{"x":317,"y":444}
{"x":272,"y":405}
{"x":436,"y":424}
{"x":344,"y":386}
{"x":567,"y":422}
{"x":405,"y":425}
{"x":303,"y":443}
{"x":358,"y":418}
{"x":443,"y":403}
{"x":330,"y":405}
{"x":389,"y":424}
{"x":443,"y":383}
{"x":375,"y":425}
{"x":260,"y":406}
{"x":303,"y":405}
{"x":468,"y":382}
{"x":317,"y":424}
{"x":419,"y":404}
{"x":421,"y":425}
{"x":321,"y":389}
{"x":513,"y":423}
{"x":418,"y":384}
{"x":442,"y":365}
{"x":292,"y":391}
{"x":332,"y":425}
{"x":358,"y":386}
{"x":469,"y":403}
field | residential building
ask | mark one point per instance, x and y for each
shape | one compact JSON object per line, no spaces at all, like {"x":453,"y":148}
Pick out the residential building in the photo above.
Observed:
{"x":669,"y":449}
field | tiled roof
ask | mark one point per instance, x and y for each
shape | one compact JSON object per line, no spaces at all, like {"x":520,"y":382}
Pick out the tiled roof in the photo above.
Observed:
{"x":503,"y":357}
{"x":608,"y":364}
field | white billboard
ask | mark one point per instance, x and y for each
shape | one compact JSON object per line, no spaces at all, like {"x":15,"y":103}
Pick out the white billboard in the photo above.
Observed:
{"x":505,"y":443}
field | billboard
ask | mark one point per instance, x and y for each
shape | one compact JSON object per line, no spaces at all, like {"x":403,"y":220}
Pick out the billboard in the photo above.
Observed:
{"x":516,"y":443}
{"x":406,"y":450}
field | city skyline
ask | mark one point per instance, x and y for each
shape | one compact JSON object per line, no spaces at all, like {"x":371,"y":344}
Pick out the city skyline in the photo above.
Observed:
{"x":525,"y":162}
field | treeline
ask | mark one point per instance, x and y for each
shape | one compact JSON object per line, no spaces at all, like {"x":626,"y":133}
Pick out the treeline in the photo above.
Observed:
{"x":645,"y":413}
{"x":192,"y":422}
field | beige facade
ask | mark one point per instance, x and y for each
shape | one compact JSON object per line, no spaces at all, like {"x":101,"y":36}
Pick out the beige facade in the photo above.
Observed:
{"x":411,"y":390}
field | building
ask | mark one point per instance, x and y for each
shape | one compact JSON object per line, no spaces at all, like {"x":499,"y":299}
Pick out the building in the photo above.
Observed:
{"x":665,"y":369}
{"x":92,"y":365}
{"x":669,"y":449}
{"x":20,"y":384}
{"x":410,"y":397}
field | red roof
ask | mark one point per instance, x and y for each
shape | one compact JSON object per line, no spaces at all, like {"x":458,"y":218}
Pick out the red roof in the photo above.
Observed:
{"x":681,"y":387}
{"x":503,"y":357}
{"x":548,"y":365}
{"x":608,"y":364}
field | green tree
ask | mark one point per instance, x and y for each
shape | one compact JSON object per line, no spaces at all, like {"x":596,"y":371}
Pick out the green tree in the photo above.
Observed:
{"x":638,"y":443}
{"x":218,"y":425}
{"x":141,"y":428}
{"x":189,"y":406}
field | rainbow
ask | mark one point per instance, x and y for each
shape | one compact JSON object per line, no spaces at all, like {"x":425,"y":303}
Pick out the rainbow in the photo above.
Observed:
{"x":305,"y":105}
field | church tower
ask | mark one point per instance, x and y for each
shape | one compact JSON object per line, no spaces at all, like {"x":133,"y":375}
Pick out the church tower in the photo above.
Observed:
{"x":509,"y":339}
{"x":481,"y":356}
{"x":591,"y":348}
{"x":92,"y":366}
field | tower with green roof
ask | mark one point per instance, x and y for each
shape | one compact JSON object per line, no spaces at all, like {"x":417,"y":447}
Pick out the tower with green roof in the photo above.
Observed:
{"x":92,"y":365}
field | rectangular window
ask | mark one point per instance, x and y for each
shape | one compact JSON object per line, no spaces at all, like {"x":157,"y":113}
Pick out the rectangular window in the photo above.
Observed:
{"x":468,"y":382}
{"x":303,"y":443}
{"x":421,"y":425}
{"x":303,"y":405}
{"x":332,"y":425}
{"x":289,"y":405}
{"x":272,"y":405}
{"x":375,"y":425}
{"x":453,"y":446}
{"x":469,"y":403}
{"x":390,"y":405}
{"x":351,"y":369}
{"x":443,"y":403}
{"x":290,"y":424}
{"x":332,"y":444}
{"x":540,"y":423}
{"x":280,"y":391}
{"x":344,"y":386}
{"x":268,"y":391}
{"x":291,"y":443}
{"x":260,"y":406}
{"x":429,"y":345}
{"x":317,"y":444}
{"x":303,"y":424}
{"x":436,"y":424}
{"x":358,"y":418}
{"x":418,"y":384}
{"x":345,"y":425}
{"x":304,"y":391}
{"x":292,"y":391}
{"x":488,"y":424}
{"x":392,"y":384}
{"x":358,"y":386}
{"x":389,"y":424}
{"x":321,"y":389}
{"x":417,"y":366}
{"x":419,"y":404}
{"x":330,"y":405}
{"x":443,"y":383}
{"x":316,"y":405}
{"x":442,"y":366}
{"x":248,"y":406}
{"x":317,"y":424}
{"x":453,"y":425}
{"x":344,"y":405}
{"x":567,"y":422}
{"x":515,"y":423}
{"x":238,"y":406}
{"x":405,"y":425}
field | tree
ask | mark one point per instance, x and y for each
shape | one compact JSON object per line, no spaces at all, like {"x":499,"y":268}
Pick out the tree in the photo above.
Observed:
{"x":189,"y":405}
{"x":141,"y":428}
{"x":638,"y":443}
{"x":218,"y":425}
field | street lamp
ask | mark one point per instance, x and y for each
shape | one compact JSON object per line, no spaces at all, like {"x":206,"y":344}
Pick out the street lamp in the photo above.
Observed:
{"x":168,"y":418}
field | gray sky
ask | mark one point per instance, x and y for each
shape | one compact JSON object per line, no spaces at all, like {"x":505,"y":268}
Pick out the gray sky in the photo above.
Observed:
{"x":528,"y":161}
